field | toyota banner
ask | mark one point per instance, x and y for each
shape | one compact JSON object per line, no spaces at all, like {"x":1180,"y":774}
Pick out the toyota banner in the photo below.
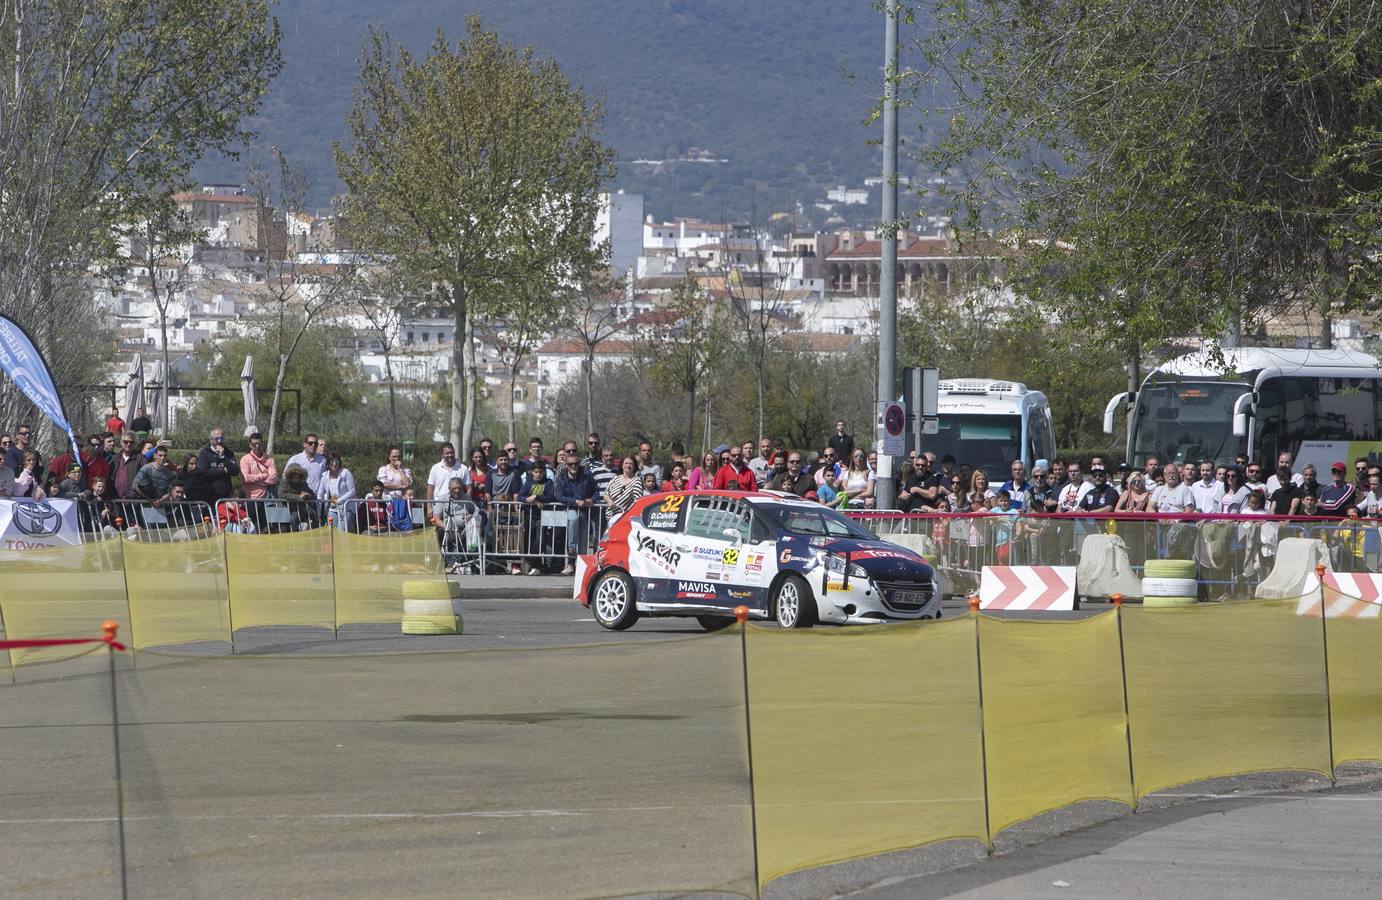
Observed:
{"x":38,"y":525}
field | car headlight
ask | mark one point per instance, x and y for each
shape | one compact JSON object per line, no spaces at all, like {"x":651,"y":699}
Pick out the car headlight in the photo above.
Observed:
{"x":836,"y":566}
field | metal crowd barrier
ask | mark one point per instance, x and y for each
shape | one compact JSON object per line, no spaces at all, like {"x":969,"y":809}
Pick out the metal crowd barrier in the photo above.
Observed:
{"x":145,"y":520}
{"x":1233,"y":553}
{"x":502,"y":536}
{"x":238,"y":515}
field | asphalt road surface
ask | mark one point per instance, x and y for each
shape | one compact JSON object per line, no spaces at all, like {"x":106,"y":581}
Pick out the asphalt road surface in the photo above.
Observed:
{"x":586,"y":763}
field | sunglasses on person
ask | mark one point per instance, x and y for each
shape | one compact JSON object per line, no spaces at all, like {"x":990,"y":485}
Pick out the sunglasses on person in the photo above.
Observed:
{"x":592,"y":443}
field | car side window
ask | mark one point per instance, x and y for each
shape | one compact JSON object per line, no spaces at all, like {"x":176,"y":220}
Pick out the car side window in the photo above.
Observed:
{"x":710,"y":517}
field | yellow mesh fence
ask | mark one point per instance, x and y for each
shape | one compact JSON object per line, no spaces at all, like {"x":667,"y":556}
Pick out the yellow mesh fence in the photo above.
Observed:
{"x":281,"y":579}
{"x":864,"y":740}
{"x":370,"y":571}
{"x":177,"y":591}
{"x":1355,"y":691}
{"x":1222,"y":690}
{"x":61,"y":592}
{"x":592,"y":771}
{"x":1054,"y":725}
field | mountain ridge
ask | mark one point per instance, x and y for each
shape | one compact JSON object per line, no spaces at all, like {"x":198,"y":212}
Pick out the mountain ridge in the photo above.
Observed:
{"x":780,"y":90}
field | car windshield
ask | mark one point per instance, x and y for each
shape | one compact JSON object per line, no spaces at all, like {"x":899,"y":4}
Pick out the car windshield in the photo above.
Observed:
{"x":810,"y":521}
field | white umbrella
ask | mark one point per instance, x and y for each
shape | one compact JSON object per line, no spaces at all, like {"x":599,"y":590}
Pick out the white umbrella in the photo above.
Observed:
{"x":134,"y":388}
{"x":250,"y":396}
{"x":156,"y":389}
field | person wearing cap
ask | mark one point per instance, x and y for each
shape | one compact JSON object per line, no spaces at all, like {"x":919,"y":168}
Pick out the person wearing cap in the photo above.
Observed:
{"x":1102,"y":497}
{"x":1338,"y":497}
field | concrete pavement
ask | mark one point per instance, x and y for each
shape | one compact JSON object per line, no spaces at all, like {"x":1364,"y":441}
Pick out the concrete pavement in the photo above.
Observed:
{"x":1218,"y":847}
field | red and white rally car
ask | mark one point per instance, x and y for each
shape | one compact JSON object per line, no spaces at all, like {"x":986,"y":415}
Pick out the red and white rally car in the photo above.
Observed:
{"x":704,"y":553}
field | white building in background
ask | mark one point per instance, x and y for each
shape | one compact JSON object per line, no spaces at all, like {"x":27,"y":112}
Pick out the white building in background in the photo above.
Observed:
{"x":620,"y":221}
{"x":848,"y":196}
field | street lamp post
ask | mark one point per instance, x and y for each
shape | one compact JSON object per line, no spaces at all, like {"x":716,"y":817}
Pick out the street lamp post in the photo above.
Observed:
{"x":885,"y":492}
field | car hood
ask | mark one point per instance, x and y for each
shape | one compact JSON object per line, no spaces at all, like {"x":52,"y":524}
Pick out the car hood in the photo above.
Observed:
{"x":879,"y":558}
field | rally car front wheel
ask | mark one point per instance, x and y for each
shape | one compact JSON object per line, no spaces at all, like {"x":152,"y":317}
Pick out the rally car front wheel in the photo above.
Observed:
{"x":612,"y":601}
{"x":794,"y":606}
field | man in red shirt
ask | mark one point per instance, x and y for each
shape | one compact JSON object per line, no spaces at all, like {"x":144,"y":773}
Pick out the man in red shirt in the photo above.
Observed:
{"x":114,"y":424}
{"x":736,"y":476}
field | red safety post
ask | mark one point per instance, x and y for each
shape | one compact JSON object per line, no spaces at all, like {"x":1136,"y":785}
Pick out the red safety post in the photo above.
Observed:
{"x":974,"y":603}
{"x":1319,"y":572}
{"x":1117,"y":599}
{"x":741,"y":614}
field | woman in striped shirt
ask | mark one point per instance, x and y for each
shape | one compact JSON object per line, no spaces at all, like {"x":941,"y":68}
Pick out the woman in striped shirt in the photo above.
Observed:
{"x":624,"y":488}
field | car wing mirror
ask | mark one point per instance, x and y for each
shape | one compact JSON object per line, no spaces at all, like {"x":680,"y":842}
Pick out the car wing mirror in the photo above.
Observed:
{"x":733,"y":535}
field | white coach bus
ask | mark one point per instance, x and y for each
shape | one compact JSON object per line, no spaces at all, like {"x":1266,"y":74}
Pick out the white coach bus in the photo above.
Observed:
{"x":1317,"y":404}
{"x":989,"y":423}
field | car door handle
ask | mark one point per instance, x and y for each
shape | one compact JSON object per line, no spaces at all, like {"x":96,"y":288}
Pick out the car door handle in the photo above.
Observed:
{"x":683,"y":548}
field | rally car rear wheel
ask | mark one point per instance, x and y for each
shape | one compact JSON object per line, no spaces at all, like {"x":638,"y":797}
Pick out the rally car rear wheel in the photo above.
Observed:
{"x":794,"y":606}
{"x":612,"y":601}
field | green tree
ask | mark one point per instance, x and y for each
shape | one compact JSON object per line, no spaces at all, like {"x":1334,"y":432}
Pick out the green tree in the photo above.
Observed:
{"x":301,"y":296}
{"x":385,"y":299}
{"x":533,"y":311}
{"x":102,"y":105}
{"x":476,"y":169}
{"x":1198,"y":165}
{"x":690,"y":338}
{"x":330,"y":384}
{"x":593,"y":317}
{"x":158,"y":245}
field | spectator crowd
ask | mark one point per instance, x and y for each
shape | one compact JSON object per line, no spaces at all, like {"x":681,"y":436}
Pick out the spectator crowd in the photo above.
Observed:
{"x":491,"y":489}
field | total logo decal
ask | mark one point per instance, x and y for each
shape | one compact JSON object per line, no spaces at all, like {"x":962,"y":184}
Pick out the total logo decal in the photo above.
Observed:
{"x":882,"y":554}
{"x":695,"y":590}
{"x":661,"y":553}
{"x":753,"y":564}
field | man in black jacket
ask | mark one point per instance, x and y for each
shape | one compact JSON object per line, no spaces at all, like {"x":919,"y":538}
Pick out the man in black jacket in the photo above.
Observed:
{"x":842,"y":443}
{"x":217,"y":466}
{"x":794,"y":480}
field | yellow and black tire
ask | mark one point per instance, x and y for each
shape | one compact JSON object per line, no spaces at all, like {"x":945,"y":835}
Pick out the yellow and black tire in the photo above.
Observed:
{"x":1169,"y":568}
{"x":1164,"y":602}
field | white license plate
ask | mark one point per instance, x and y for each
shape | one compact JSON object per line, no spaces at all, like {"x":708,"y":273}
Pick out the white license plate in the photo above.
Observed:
{"x":909,"y":597}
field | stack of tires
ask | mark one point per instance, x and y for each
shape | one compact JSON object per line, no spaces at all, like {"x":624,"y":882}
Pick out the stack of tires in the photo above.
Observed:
{"x":1169,"y":582}
{"x":427,"y":607}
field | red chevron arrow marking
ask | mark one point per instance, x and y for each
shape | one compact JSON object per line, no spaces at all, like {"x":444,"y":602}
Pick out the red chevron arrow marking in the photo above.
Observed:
{"x":1056,"y":587}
